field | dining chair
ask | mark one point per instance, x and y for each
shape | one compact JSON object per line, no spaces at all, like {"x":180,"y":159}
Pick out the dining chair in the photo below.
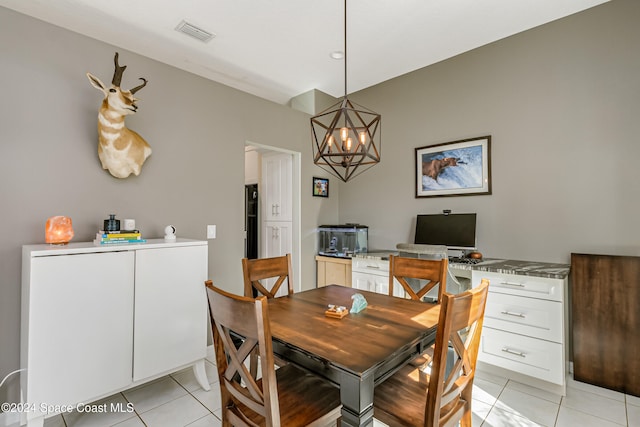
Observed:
{"x":427,"y":274}
{"x":433,"y":271}
{"x":411,"y":397}
{"x":286,"y":396}
{"x":257,"y":271}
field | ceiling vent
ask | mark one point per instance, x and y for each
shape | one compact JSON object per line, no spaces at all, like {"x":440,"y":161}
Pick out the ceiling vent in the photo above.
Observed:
{"x":195,"y":32}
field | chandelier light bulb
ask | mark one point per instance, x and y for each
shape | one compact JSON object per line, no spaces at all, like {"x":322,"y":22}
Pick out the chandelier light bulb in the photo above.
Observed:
{"x":363,"y":137}
{"x":344,"y":132}
{"x":349,"y":144}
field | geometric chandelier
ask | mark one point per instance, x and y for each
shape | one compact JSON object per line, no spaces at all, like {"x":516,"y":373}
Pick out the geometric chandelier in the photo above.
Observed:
{"x":346,"y":136}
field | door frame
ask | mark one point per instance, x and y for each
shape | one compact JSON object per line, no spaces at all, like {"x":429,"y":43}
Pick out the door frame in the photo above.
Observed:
{"x":296,"y":205}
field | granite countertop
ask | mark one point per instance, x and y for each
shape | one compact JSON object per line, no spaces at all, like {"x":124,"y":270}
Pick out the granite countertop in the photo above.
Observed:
{"x":376,"y":254}
{"x":503,"y":266}
{"x":523,"y":268}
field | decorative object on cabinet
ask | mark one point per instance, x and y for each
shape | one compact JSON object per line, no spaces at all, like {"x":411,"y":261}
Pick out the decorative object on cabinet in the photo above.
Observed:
{"x":81,"y":305}
{"x":170,"y":233}
{"x":58,"y":230}
{"x":129,"y":224}
{"x":458,"y":168}
{"x":118,"y":238}
{"x":121,"y":150}
{"x":320,"y":187}
{"x":605,"y":296}
{"x":111,"y":224}
{"x":346,"y":137}
{"x":343,"y":240}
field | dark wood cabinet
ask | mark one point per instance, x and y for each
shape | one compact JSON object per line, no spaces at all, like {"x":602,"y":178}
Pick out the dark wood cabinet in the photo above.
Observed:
{"x":605,"y":308}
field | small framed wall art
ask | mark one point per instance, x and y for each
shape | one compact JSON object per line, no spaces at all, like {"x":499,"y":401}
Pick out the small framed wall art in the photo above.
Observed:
{"x":320,"y":187}
{"x":457,"y":168}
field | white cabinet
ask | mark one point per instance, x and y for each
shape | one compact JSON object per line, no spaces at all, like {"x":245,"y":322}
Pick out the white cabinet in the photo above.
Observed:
{"x":277,"y":187}
{"x":170,"y":309}
{"x":97,"y":320}
{"x":524,"y":326}
{"x":277,"y":239}
{"x":372,"y":275}
{"x":77,"y":319}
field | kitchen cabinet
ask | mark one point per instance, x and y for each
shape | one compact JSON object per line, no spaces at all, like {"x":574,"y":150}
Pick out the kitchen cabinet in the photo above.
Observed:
{"x":333,"y":271}
{"x":371,"y":274}
{"x":97,"y":320}
{"x":277,"y":187}
{"x":524,"y":331}
{"x":276,"y":208}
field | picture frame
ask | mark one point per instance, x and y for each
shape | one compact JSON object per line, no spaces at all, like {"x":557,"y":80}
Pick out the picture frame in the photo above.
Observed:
{"x":320,"y":187}
{"x":456,"y":168}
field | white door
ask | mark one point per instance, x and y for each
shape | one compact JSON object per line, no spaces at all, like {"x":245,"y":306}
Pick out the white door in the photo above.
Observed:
{"x":277,"y":187}
{"x":277,"y":241}
{"x":80,"y":326}
{"x":171,"y":309}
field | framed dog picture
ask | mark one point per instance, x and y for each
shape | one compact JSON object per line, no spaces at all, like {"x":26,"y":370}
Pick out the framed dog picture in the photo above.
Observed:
{"x":457,"y":168}
{"x":320,"y":187}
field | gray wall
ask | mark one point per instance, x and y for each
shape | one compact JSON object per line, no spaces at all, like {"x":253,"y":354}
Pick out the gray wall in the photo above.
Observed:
{"x":562,"y":103}
{"x":195,"y":176}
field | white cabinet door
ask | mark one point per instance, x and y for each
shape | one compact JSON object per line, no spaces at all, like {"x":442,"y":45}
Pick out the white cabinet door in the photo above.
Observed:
{"x":277,"y":187}
{"x":277,"y":240}
{"x":79,"y":336}
{"x":362,"y":281}
{"x":170,"y":328}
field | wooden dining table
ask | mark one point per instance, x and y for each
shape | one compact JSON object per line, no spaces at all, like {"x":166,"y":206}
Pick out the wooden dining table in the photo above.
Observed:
{"x":355,"y":352}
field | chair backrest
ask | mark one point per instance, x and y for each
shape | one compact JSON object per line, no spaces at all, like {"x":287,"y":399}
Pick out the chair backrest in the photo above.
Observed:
{"x":434,"y":271}
{"x":459,"y":329}
{"x":257,"y":270}
{"x":241,"y":392}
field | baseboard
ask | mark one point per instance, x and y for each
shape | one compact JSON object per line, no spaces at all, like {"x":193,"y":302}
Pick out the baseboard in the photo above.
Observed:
{"x":9,"y":419}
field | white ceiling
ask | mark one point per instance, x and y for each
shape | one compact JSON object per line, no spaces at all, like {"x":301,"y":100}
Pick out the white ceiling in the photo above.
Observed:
{"x":278,"y":49}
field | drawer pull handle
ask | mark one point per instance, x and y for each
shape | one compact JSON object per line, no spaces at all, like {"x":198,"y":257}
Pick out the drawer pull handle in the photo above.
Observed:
{"x":373,"y":266}
{"x":517,"y":353}
{"x":510,"y":313}
{"x":520,"y":285}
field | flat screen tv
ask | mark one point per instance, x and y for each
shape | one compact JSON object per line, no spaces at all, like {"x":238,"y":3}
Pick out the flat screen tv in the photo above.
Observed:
{"x":456,"y":231}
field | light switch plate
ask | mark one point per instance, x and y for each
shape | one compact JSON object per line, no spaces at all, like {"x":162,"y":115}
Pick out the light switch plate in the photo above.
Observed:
{"x":211,"y":231}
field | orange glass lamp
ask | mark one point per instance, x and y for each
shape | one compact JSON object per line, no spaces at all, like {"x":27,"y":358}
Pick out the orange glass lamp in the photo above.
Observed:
{"x":58,"y":230}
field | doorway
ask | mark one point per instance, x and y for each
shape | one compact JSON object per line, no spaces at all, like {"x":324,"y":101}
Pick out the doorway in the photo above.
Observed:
{"x":254,"y":153}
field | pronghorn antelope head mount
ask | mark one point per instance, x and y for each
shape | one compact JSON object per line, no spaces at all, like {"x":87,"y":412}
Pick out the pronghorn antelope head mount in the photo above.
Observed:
{"x":121,"y":150}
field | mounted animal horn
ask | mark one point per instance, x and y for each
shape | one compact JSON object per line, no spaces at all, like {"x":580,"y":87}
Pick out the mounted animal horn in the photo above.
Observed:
{"x":117,"y":73}
{"x":137,"y":88}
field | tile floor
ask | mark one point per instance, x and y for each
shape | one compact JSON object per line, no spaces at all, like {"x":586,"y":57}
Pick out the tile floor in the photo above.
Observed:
{"x":177,"y":400}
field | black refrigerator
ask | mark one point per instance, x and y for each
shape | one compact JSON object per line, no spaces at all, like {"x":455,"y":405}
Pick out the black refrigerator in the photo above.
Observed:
{"x":251,"y":221}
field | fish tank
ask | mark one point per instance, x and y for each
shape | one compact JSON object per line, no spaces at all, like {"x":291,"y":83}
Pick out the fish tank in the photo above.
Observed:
{"x":342,"y":240}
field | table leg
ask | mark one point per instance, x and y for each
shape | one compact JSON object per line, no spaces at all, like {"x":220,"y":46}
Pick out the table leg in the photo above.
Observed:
{"x":356,"y":396}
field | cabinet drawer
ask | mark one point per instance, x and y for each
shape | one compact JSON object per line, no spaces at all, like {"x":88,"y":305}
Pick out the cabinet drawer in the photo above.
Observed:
{"x":369,"y":265}
{"x":525,"y":316}
{"x":529,"y":356}
{"x":528,"y":286}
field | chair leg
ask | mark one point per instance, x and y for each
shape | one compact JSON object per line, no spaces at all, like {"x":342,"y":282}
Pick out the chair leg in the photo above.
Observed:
{"x":465,"y":421}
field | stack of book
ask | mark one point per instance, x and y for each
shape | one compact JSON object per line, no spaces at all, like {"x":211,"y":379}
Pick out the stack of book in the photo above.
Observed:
{"x":118,"y":237}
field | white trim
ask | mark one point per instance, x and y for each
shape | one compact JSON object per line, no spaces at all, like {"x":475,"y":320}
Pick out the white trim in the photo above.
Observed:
{"x":296,"y":204}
